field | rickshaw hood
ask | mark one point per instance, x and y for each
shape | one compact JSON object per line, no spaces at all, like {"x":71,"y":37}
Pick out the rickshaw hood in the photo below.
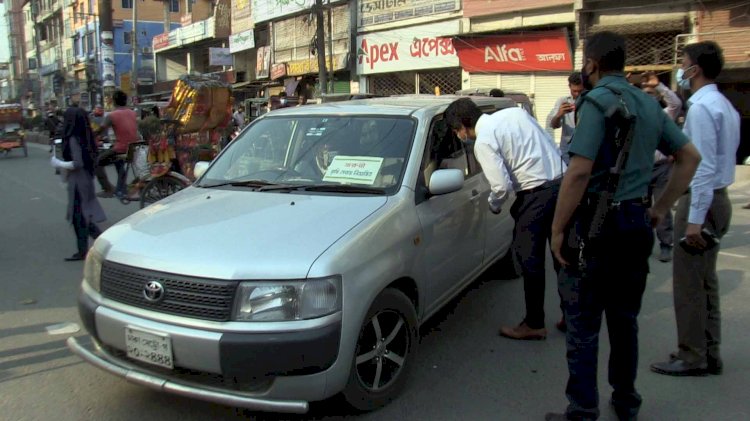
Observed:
{"x":231,"y":234}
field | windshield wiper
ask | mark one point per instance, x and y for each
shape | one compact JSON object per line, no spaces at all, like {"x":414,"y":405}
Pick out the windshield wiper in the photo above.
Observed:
{"x":343,"y":188}
{"x":244,"y":183}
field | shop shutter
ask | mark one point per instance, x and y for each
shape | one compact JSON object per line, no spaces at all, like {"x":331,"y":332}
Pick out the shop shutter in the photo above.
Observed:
{"x":449,"y":81}
{"x":548,"y":87}
{"x":516,"y":82}
{"x":401,"y":83}
{"x":484,"y":81}
{"x":341,"y":87}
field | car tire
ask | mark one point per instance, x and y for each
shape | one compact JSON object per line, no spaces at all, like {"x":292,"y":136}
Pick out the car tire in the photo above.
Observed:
{"x":386,"y":343}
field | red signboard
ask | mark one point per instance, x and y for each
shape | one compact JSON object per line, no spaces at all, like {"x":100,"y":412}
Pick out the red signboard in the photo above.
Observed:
{"x":278,"y":70}
{"x":160,"y":41}
{"x":527,"y":52}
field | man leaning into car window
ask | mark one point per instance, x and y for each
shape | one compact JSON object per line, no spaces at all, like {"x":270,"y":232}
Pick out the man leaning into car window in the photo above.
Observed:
{"x":516,"y":154}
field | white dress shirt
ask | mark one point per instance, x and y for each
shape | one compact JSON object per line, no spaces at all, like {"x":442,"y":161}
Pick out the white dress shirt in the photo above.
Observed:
{"x":713,"y":125}
{"x":567,"y":124}
{"x":515,"y":153}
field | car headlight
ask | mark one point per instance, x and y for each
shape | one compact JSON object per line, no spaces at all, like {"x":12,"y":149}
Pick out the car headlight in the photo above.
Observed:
{"x":92,"y":270}
{"x":287,"y":300}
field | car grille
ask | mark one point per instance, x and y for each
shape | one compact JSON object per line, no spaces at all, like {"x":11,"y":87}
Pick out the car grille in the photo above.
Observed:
{"x":200,"y":298}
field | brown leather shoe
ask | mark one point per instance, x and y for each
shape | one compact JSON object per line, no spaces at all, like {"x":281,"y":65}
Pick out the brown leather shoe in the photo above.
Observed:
{"x":523,"y":332}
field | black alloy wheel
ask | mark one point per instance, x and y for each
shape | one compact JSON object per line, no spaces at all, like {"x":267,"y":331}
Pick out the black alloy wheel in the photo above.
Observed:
{"x":387,"y":340}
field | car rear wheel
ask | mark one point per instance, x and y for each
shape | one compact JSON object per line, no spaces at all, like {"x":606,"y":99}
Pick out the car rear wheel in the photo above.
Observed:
{"x":386,"y":342}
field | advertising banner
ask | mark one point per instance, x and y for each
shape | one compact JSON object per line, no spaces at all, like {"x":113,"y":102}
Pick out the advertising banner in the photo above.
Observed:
{"x":222,"y":19}
{"x":375,"y":12}
{"x":307,"y":66}
{"x":242,"y":41}
{"x":263,"y":63}
{"x":413,"y":48}
{"x":264,"y":10}
{"x":219,"y":57}
{"x":241,"y":16}
{"x":108,"y":59}
{"x":527,"y":52}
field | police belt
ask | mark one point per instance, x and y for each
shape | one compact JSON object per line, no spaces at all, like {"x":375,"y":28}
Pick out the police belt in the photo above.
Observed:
{"x":591,"y":198}
{"x":547,"y":184}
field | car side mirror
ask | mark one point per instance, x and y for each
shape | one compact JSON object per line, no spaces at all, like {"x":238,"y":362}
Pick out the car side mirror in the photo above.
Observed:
{"x":200,"y":168}
{"x":446,"y":181}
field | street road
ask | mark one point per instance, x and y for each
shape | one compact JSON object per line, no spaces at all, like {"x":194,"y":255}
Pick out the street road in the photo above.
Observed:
{"x":463,"y":369}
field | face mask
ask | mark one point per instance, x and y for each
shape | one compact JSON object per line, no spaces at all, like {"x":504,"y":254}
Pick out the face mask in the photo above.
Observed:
{"x":682,"y":81}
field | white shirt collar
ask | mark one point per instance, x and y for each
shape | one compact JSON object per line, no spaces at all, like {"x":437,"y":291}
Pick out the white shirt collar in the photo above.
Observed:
{"x":705,"y":90}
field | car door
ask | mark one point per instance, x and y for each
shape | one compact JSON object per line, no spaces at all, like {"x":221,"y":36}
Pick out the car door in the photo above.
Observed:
{"x":452,"y":224}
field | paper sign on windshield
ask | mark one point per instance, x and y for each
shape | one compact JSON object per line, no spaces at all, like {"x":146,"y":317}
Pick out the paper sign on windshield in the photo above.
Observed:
{"x":353,"y":169}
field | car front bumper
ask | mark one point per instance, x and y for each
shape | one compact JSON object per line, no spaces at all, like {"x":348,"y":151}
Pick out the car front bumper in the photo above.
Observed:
{"x":265,"y":370}
{"x":101,"y":359}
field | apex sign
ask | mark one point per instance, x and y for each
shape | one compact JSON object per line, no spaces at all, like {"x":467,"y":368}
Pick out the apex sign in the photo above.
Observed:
{"x":374,"y":53}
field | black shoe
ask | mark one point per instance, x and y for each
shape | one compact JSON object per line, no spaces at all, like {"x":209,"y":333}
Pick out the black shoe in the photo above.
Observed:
{"x":623,"y":414}
{"x":76,"y":257}
{"x":715,"y":366}
{"x":665,"y":255}
{"x":678,"y":367}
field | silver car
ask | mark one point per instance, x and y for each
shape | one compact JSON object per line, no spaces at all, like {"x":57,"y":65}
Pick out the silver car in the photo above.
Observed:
{"x":301,"y":263}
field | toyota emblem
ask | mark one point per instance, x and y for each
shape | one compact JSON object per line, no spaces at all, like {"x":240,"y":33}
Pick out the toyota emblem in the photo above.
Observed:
{"x":153,"y":292}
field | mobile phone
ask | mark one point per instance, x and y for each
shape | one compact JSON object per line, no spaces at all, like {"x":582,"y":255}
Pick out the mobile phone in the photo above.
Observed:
{"x":710,"y":239}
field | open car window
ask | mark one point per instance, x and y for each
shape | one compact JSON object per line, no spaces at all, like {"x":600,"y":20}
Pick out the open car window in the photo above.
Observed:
{"x":366,"y":151}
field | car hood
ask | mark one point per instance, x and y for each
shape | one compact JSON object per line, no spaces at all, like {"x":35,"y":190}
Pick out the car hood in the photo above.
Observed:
{"x":235,"y":234}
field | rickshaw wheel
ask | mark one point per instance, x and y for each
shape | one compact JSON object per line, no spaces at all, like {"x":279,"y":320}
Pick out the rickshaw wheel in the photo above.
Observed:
{"x":159,"y":188}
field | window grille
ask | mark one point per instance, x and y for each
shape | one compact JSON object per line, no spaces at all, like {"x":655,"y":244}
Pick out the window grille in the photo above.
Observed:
{"x":650,"y":49}
{"x":401,"y":83}
{"x":448,"y":81}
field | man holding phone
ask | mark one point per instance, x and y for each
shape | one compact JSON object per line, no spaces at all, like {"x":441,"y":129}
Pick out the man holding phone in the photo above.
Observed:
{"x":563,"y":114}
{"x":704,"y":212}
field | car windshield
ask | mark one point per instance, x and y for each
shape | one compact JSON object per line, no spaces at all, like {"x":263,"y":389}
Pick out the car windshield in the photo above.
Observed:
{"x":300,"y":152}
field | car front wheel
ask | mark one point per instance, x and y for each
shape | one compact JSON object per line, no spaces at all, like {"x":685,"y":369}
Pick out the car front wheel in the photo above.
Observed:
{"x":387,"y":340}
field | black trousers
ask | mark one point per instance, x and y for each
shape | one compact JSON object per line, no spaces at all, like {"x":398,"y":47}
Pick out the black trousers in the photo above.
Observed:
{"x":83,"y":228}
{"x":533,"y":212}
{"x":610,"y":282}
{"x":108,"y":157}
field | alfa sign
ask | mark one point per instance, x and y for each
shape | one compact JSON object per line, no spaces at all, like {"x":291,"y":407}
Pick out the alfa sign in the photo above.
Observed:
{"x":529,"y":52}
{"x":404,"y":49}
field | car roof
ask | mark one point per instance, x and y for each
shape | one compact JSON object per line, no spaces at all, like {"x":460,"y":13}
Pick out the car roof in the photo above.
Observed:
{"x":394,"y":105}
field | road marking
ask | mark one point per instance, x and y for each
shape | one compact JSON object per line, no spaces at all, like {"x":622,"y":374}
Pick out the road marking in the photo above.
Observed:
{"x":723,"y":253}
{"x":63,"y":328}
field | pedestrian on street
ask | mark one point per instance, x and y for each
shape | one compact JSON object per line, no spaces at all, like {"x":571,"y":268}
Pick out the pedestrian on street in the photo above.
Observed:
{"x":54,"y":126}
{"x":672,"y":106}
{"x":562,"y":115}
{"x":713,"y":125}
{"x":124,"y":123}
{"x":516,"y":154}
{"x":598,"y":277}
{"x":79,"y":161}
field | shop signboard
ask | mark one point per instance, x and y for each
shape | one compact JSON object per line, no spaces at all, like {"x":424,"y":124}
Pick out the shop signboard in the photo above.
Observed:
{"x":242,"y":41}
{"x":278,"y":70}
{"x":310,"y":65}
{"x":404,"y":50}
{"x":219,"y":57}
{"x":376,"y":12}
{"x":241,"y":16}
{"x":160,"y":41}
{"x":263,"y":62}
{"x":193,"y":32}
{"x":527,"y":52}
{"x":474,"y":8}
{"x":264,"y":10}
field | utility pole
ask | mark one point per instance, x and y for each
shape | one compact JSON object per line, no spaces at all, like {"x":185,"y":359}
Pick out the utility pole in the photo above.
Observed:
{"x":167,"y":23}
{"x":35,"y":12}
{"x":107,"y":52}
{"x":329,"y":62}
{"x":134,"y":44}
{"x":320,"y":45}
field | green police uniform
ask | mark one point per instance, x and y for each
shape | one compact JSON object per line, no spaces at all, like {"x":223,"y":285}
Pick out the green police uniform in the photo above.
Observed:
{"x":654,"y":129}
{"x":608,"y":279}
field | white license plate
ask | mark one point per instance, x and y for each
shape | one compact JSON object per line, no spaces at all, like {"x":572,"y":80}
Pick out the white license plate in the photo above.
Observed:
{"x":149,"y":347}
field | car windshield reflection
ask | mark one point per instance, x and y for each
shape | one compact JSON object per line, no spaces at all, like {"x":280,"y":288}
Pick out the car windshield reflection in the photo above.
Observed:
{"x":359,"y":151}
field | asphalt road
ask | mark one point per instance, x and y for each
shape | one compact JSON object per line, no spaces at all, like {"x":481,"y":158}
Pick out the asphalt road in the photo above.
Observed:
{"x":463,"y":369}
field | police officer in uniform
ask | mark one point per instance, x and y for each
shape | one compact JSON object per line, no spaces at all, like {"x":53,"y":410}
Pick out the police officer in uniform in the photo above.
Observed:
{"x":599,"y":278}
